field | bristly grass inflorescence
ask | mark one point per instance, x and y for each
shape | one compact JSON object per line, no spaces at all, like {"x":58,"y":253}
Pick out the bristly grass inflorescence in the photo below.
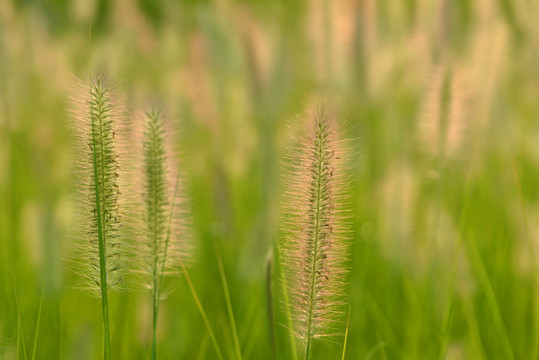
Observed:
{"x":161,"y":241}
{"x":314,"y":246}
{"x":160,"y":218}
{"x":98,"y":168}
{"x":99,"y":245}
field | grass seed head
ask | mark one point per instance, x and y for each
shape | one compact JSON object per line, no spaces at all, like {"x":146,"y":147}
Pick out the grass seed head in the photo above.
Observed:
{"x":314,"y":246}
{"x":99,"y":178}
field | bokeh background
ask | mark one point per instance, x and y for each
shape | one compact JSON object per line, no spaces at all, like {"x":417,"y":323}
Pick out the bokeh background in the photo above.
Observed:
{"x":441,"y":99}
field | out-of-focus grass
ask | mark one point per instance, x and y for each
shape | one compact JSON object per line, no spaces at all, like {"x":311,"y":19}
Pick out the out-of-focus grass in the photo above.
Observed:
{"x":446,"y":228}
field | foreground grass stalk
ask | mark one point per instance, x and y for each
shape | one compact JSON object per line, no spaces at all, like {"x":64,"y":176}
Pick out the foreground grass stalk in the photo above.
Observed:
{"x":98,"y":141}
{"x":99,"y":247}
{"x":101,"y":235}
{"x":269,"y":301}
{"x":314,"y":249}
{"x":346,"y":333}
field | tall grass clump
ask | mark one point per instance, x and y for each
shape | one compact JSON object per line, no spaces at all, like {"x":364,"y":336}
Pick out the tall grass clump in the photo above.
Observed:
{"x":163,"y":247}
{"x":314,"y":246}
{"x":98,"y":247}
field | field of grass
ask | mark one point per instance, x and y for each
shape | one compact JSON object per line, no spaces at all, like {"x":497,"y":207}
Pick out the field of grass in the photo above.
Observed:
{"x":439,"y":101}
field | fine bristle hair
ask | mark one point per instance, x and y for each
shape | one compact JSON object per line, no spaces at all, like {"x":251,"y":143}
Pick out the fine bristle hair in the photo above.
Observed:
{"x":98,"y":183}
{"x":160,"y":217}
{"x":315,"y":230}
{"x":161,"y":238}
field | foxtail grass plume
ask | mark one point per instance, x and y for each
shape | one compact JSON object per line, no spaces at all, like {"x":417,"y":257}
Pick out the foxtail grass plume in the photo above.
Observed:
{"x":163,"y":218}
{"x":100,"y":257}
{"x":162,"y":246}
{"x":315,"y":242}
{"x":98,"y":167}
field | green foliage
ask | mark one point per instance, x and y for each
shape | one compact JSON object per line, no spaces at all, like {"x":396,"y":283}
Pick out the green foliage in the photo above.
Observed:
{"x":441,"y":99}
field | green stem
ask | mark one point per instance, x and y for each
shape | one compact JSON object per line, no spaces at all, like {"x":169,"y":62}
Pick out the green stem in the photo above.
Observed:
{"x":237,"y":347}
{"x":100,"y":230}
{"x":269,"y":295}
{"x":290,"y":324}
{"x":202,"y":311}
{"x":159,"y":285}
{"x":41,"y":300}
{"x":156,"y":284}
{"x":307,"y":348}
{"x":346,"y":333}
{"x":20,"y":330}
{"x":316,"y":239}
{"x":155,"y":314}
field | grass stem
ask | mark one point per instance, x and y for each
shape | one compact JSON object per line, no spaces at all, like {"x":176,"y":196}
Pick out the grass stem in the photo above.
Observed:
{"x":237,"y":347}
{"x":202,"y":312}
{"x":100,"y":231}
{"x":346,"y":333}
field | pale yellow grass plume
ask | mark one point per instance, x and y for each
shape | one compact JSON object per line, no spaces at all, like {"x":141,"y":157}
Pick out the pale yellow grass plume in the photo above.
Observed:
{"x":316,"y":234}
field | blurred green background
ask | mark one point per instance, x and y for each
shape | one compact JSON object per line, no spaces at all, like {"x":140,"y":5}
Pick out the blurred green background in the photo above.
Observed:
{"x":441,"y":98}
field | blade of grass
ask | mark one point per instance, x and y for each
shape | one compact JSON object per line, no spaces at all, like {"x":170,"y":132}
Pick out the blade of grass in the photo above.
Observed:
{"x":202,"y":311}
{"x":20,"y":330}
{"x":491,"y":298}
{"x":467,"y":307}
{"x":290,"y":324}
{"x":473,"y":325}
{"x":237,"y":347}
{"x":269,"y":301}
{"x":380,"y":346}
{"x":41,"y":299}
{"x":448,"y":313}
{"x":484,"y":280}
{"x":203,"y":347}
{"x":531,"y":247}
{"x":254,"y":325}
{"x":346,"y":333}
